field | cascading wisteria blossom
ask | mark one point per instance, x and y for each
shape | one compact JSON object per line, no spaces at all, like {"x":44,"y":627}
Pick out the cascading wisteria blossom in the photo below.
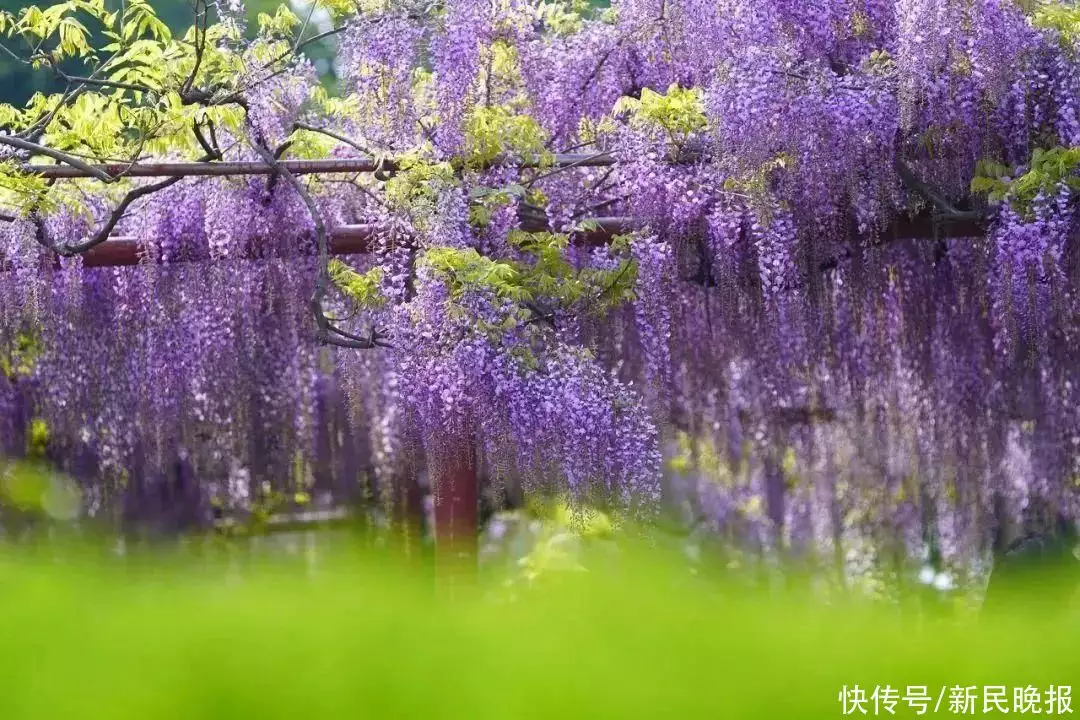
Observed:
{"x":898,"y":424}
{"x":1029,"y":254}
{"x":456,"y":60}
{"x":824,"y":383}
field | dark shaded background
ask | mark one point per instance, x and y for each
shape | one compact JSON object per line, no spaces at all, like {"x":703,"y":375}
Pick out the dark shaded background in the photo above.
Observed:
{"x":19,"y":82}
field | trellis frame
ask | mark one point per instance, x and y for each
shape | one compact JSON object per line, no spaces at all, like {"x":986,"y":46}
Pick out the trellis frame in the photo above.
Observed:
{"x":455,"y":481}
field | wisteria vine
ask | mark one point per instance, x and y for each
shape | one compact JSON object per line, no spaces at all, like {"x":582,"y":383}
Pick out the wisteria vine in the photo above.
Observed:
{"x":793,"y":339}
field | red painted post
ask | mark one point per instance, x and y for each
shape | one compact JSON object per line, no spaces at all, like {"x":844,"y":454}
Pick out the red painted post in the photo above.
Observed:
{"x":453,"y":471}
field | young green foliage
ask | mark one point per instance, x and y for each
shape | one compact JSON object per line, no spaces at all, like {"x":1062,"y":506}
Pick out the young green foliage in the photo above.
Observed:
{"x":564,"y":17}
{"x":361,"y":288}
{"x":755,"y":185}
{"x":1060,"y":17}
{"x":280,"y":24}
{"x":679,"y":112}
{"x":485,"y":200}
{"x":413,"y":187}
{"x":551,"y":275}
{"x":546,"y":278}
{"x":38,"y":437}
{"x":492,"y":133}
{"x":467,"y":269}
{"x":1049,"y":170}
{"x":17,"y":358}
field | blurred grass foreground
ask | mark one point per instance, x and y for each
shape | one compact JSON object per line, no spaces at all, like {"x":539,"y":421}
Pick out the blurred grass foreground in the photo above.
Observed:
{"x":352,"y":635}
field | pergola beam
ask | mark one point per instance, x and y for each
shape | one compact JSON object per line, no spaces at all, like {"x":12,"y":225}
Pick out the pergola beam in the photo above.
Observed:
{"x":122,"y":250}
{"x":297,"y":167}
{"x":357,"y":239}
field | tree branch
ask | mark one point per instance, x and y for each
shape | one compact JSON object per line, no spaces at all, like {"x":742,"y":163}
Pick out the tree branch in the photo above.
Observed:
{"x":272,"y":182}
{"x":326,"y":332}
{"x":200,"y":45}
{"x":97,"y":82}
{"x":114,"y":217}
{"x":944,"y":208}
{"x":336,"y":136}
{"x":62,"y":157}
{"x":236,"y":95}
{"x":585,"y":161}
{"x":210,"y":148}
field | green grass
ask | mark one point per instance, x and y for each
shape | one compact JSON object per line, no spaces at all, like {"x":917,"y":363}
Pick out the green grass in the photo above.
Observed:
{"x":187,"y":638}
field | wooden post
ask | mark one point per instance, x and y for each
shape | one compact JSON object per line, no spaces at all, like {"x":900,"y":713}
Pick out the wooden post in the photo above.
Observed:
{"x":408,"y":512}
{"x":452,"y":468}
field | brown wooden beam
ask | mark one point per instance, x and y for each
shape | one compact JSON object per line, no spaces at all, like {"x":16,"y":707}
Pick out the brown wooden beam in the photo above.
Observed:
{"x":123,"y":251}
{"x":344,"y":240}
{"x":296,"y":167}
